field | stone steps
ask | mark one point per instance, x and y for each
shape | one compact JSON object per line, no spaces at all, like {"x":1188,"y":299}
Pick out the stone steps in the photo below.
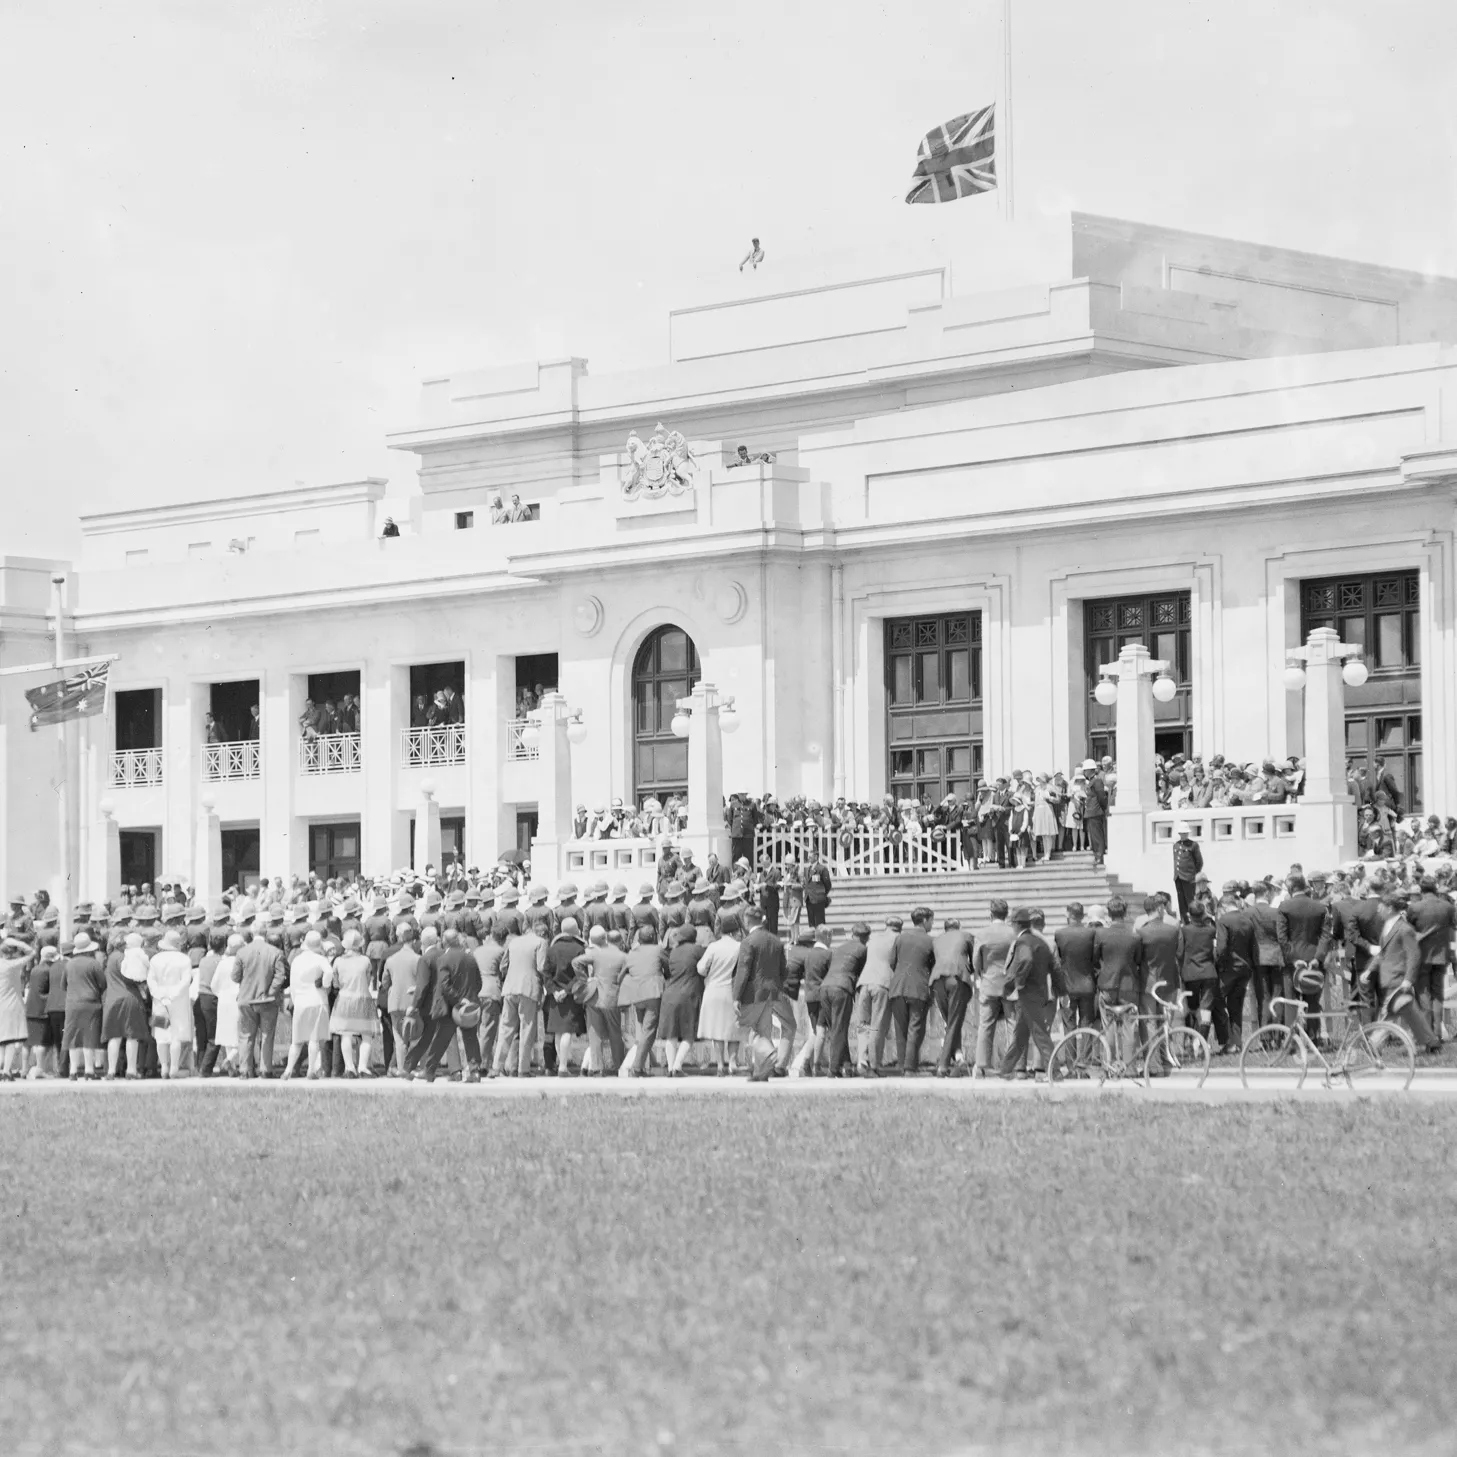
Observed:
{"x":967,"y":894}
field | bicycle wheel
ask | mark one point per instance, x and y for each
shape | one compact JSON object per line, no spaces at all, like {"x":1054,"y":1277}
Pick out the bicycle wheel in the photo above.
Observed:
{"x":1272,"y":1054}
{"x":1080,"y":1056}
{"x":1386,"y":1051}
{"x":1180,"y":1054}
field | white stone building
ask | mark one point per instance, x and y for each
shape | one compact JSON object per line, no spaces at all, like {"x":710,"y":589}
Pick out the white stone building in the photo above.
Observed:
{"x":990,"y":473}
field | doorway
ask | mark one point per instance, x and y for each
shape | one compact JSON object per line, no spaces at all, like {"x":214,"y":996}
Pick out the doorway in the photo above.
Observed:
{"x":240,"y":856}
{"x":139,"y":857}
{"x":334,"y":850}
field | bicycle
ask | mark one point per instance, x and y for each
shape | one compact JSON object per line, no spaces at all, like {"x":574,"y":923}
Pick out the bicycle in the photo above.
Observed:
{"x":1090,"y":1054}
{"x":1373,"y":1049}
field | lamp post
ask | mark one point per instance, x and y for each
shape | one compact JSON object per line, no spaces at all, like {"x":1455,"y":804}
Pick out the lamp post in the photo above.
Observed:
{"x":1330,"y":666}
{"x":1137,"y":680}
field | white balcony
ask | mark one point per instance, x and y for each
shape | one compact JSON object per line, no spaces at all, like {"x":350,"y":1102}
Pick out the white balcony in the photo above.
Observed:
{"x":329,"y":754}
{"x":136,"y":768}
{"x":236,"y":760}
{"x":422,"y":748}
{"x":516,"y":746}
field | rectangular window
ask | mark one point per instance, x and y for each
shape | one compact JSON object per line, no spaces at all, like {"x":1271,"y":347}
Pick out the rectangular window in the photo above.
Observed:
{"x":930,"y":761}
{"x":1388,"y":734}
{"x":137,"y":557}
{"x":306,"y":537}
{"x":900,"y":680}
{"x":958,"y":674}
{"x":928,"y":677}
{"x":900,"y":764}
{"x":464,"y":520}
{"x":198,"y":548}
{"x":1388,"y":640}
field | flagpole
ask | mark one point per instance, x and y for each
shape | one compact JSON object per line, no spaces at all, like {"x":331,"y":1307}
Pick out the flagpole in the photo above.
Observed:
{"x":63,"y":796}
{"x":1004,"y":122}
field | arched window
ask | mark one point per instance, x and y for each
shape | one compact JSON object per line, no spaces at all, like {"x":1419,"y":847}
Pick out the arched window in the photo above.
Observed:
{"x":666,"y":669}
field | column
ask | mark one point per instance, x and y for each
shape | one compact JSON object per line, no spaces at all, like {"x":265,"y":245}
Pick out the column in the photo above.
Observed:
{"x":282,"y":849}
{"x":837,"y":674}
{"x":207,"y":859}
{"x":427,"y":829}
{"x":705,"y":830}
{"x":554,"y":780}
{"x":182,"y":710}
{"x":107,"y":870}
{"x":486,"y":715}
{"x":380,"y":826}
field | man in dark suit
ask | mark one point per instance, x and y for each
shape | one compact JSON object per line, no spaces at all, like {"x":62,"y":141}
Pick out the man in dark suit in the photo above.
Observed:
{"x":1074,"y":943}
{"x":1432,"y":918}
{"x":1234,"y":958}
{"x":1163,"y":950}
{"x":759,"y":992}
{"x":1118,"y":956}
{"x":1095,"y":812}
{"x":1394,"y":968}
{"x":910,"y":988}
{"x":1303,"y":925}
{"x":1033,"y":970}
{"x":837,"y":994}
{"x":951,"y":987}
{"x":430,"y":1011}
{"x":993,"y":947}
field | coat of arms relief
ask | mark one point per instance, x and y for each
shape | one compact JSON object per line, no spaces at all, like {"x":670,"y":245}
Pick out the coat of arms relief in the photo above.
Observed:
{"x":661,"y":466}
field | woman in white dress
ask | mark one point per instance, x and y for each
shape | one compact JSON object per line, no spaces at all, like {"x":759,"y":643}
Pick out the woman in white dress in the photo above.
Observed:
{"x":226,"y":988}
{"x":718,"y":1022}
{"x":352,"y":1020}
{"x":1044,"y":821}
{"x":169,"y":979}
{"x":308,"y":979}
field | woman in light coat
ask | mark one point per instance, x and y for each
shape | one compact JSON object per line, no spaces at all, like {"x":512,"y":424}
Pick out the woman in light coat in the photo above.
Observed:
{"x":169,"y":979}
{"x":226,"y":1035}
{"x":308,"y":979}
{"x":353,"y":1019}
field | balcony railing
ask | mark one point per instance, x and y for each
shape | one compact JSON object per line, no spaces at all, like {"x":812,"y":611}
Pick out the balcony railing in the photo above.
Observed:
{"x":235,"y":760}
{"x":329,"y":754}
{"x":423,"y":747}
{"x":136,"y":768}
{"x":516,"y":746}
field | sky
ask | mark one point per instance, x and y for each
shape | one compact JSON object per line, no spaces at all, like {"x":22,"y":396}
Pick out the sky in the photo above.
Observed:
{"x":241,"y":235}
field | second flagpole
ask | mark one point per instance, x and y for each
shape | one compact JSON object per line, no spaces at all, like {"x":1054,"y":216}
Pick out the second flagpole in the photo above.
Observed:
{"x":1005,"y":185}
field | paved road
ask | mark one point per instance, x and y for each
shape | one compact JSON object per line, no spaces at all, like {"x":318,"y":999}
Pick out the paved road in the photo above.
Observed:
{"x":1220,"y":1087}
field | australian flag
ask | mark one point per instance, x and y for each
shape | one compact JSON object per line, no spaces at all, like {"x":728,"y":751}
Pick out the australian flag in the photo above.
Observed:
{"x":68,"y":698}
{"x":958,"y":159}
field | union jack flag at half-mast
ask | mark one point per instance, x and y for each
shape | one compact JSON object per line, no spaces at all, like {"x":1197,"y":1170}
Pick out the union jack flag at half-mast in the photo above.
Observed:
{"x":958,"y":159}
{"x":67,"y":698}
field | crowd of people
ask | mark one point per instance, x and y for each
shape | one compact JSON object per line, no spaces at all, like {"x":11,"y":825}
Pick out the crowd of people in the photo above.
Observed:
{"x":711,"y":968}
{"x":329,"y":717}
{"x":436,"y":710}
{"x":528,"y":700}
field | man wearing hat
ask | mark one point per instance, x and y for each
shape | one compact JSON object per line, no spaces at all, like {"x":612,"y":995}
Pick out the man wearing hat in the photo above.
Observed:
{"x":261,"y":972}
{"x":621,"y":912}
{"x":1033,"y":973}
{"x":147,"y":927}
{"x":1303,"y":925}
{"x":18,"y":922}
{"x":1095,"y":811}
{"x":48,"y":928}
{"x":538,"y":916}
{"x":644,"y":913}
{"x":1188,"y":862}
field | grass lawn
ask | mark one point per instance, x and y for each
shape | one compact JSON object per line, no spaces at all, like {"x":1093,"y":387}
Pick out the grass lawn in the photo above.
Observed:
{"x":276,"y":1270}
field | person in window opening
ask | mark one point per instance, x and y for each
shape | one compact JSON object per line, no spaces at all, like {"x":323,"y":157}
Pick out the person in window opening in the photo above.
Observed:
{"x":390,"y":529}
{"x":437,"y":709}
{"x":329,"y":718}
{"x":309,"y":719}
{"x":420,"y":712}
{"x":498,"y":509}
{"x":517,"y":511}
{"x":452,"y":705}
{"x":1385,"y":781}
{"x":253,"y":723}
{"x":537,"y":694}
{"x":754,"y":257}
{"x":211,"y":733}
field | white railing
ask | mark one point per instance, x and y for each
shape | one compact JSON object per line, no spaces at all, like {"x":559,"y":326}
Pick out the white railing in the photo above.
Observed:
{"x":863,"y":852}
{"x":611,"y":857}
{"x":234,"y":760}
{"x":516,"y":747}
{"x":329,"y":754}
{"x":136,"y":768}
{"x":442,"y":744}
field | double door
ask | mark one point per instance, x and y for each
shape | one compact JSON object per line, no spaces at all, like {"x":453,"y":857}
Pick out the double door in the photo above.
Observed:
{"x":334,"y":850}
{"x":933,"y":695}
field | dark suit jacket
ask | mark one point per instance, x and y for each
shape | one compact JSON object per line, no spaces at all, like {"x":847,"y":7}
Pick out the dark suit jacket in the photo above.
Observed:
{"x":1032,"y":968}
{"x":1303,"y":926}
{"x":1197,"y":964}
{"x":1267,"y":935}
{"x":1235,"y":951}
{"x":914,"y":957}
{"x":1399,"y":957}
{"x":1095,"y":807}
{"x":1119,"y":957}
{"x":1432,"y":918}
{"x":847,"y":961}
{"x":1075,"y":949}
{"x":759,"y":976}
{"x":1163,"y":951}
